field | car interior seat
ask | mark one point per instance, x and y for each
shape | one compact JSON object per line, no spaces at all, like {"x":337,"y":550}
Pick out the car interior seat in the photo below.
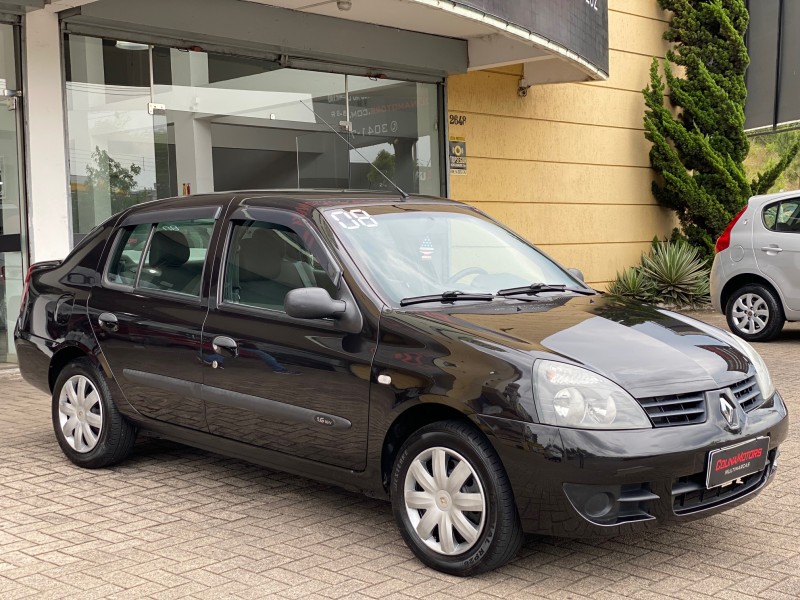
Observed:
{"x":166,"y":266}
{"x":260,"y":265}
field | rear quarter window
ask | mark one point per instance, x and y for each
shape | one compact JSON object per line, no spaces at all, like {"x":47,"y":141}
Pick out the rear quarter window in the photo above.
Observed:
{"x":782,"y":216}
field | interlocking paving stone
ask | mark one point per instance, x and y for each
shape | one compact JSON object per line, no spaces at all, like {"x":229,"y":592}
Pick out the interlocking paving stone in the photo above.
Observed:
{"x":174,"y":522}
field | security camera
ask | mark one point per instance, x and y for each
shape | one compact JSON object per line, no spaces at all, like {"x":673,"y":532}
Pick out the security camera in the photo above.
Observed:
{"x":344,"y":4}
{"x":522,"y":91}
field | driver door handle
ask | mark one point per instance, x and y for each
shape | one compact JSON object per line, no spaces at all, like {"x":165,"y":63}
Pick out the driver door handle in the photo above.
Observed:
{"x":772,"y":249}
{"x":223,"y":342}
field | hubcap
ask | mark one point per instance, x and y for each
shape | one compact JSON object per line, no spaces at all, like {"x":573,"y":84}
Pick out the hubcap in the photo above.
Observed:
{"x":80,"y":413}
{"x":444,"y":501}
{"x":750,"y":313}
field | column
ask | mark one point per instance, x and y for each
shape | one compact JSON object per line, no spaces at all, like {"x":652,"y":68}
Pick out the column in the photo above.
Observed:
{"x":49,"y":225}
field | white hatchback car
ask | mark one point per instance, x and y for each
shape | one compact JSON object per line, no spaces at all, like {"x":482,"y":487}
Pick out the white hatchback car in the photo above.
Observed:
{"x":755,"y":279}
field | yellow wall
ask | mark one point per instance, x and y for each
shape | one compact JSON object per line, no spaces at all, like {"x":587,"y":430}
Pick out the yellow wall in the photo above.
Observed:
{"x":567,"y":166}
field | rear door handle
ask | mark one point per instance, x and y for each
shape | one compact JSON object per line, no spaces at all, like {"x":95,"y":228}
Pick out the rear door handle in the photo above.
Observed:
{"x":108,"y":321}
{"x":223,"y":342}
{"x":772,"y":249}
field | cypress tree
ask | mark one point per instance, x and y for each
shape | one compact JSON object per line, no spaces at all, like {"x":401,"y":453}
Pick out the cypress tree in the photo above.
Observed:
{"x":699,"y":144}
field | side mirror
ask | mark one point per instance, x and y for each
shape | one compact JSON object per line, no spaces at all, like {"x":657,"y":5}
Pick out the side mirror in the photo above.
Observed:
{"x":576,"y":273}
{"x":313,"y":303}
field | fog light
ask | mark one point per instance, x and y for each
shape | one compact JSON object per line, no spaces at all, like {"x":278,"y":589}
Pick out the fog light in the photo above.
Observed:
{"x":599,"y":505}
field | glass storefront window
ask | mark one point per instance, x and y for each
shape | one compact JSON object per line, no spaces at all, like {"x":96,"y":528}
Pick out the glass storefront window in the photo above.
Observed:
{"x":11,"y":190}
{"x":112,"y":149}
{"x":224,"y":122}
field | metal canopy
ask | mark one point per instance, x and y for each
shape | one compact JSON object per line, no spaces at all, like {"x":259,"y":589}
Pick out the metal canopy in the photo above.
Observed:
{"x":773,"y":78}
{"x":560,"y":41}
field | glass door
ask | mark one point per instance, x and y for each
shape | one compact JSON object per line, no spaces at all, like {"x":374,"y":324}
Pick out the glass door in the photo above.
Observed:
{"x":150,"y":122}
{"x":242,"y":123}
{"x":10,"y":190}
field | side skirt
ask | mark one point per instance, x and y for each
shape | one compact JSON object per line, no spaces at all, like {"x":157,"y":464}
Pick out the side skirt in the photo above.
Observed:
{"x":366,"y":482}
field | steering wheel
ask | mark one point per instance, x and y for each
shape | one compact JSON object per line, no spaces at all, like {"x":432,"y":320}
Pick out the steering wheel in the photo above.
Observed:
{"x":468,"y":271}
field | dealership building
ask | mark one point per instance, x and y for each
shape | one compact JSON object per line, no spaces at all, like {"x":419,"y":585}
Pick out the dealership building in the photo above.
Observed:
{"x":528,"y":109}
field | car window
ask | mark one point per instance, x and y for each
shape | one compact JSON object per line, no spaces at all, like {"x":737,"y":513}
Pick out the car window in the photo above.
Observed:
{"x":266,"y":261}
{"x":176,"y":255}
{"x":783,"y":216}
{"x":124,"y":263}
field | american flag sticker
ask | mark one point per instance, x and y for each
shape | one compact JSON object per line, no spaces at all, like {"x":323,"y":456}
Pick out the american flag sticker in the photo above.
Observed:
{"x":426,"y":249}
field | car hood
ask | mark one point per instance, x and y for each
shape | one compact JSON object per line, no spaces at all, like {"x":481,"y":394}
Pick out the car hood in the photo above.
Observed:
{"x":646,"y":350}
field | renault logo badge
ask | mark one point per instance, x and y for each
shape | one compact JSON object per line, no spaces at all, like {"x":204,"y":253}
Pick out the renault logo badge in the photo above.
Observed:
{"x":729,"y":412}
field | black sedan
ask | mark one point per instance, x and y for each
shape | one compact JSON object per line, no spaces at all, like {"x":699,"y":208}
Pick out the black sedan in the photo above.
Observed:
{"x":409,"y":348}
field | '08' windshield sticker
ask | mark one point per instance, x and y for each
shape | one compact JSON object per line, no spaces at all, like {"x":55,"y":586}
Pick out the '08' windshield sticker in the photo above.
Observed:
{"x":353,"y":219}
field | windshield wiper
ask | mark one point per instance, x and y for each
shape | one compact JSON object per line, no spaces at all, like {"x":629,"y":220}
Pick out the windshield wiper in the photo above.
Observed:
{"x":445,"y":297}
{"x":536,"y":288}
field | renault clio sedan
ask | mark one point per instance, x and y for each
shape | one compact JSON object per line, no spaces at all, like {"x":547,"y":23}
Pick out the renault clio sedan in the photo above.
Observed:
{"x":409,"y":348}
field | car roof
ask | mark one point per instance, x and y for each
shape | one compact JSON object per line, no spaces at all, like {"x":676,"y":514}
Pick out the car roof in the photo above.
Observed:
{"x":765,"y":198}
{"x":300,"y":200}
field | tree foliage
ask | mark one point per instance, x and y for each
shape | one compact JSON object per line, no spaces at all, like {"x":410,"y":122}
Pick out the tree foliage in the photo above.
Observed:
{"x":699,"y":143}
{"x":385,"y":163}
{"x":767,"y":149}
{"x":106,"y":176}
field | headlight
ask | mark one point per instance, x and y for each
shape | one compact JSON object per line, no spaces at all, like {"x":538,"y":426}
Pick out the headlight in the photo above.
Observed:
{"x":762,"y":373}
{"x":570,"y":396}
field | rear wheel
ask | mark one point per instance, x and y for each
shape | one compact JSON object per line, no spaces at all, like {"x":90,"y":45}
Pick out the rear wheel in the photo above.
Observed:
{"x":453,"y":502}
{"x":754,"y":313}
{"x":90,"y":430}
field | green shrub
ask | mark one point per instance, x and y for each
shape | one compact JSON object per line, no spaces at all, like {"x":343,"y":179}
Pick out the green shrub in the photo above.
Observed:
{"x":672,"y":274}
{"x":632,"y":283}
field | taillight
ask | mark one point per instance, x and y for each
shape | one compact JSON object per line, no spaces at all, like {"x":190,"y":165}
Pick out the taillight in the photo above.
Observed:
{"x":25,"y":288}
{"x":725,"y":239}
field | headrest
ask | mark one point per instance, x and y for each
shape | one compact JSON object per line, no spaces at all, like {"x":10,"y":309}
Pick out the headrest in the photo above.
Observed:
{"x":169,"y":249}
{"x":260,"y":255}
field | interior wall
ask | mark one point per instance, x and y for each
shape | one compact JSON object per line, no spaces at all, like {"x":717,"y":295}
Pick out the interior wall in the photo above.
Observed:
{"x":567,"y":166}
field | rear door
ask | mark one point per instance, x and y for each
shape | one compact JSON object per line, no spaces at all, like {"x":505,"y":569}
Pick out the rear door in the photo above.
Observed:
{"x":299,"y":386}
{"x":776,"y":239}
{"x":148,"y":312}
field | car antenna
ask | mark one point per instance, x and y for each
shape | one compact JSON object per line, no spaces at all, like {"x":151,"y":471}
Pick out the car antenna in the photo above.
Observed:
{"x":346,"y":141}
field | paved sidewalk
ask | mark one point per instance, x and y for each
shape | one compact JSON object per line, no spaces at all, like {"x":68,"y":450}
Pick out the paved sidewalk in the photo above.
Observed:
{"x":173,"y":522}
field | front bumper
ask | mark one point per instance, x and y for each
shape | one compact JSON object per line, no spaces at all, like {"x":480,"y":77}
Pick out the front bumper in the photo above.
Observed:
{"x":647,"y":477}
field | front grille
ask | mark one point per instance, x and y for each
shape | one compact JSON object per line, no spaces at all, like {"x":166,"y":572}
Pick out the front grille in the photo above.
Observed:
{"x":676,"y":409}
{"x":689,"y":494}
{"x":687,"y":409}
{"x":747,"y":394}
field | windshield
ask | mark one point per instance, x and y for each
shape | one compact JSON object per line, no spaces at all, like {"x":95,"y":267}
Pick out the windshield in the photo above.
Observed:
{"x":415,"y":250}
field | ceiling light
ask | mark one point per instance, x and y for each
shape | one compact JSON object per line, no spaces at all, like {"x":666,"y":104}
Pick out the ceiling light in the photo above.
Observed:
{"x":123,"y":45}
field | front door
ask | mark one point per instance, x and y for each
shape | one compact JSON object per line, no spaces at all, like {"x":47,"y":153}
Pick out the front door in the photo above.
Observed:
{"x":292,"y":385}
{"x":149,"y":310}
{"x":10,"y":189}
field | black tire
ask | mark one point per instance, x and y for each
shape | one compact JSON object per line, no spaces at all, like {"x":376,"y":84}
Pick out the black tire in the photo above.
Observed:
{"x":747,"y":325}
{"x":499,"y":538}
{"x":114,"y":436}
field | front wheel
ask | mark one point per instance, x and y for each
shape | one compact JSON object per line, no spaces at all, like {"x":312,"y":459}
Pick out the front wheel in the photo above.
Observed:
{"x":453,"y":502}
{"x":754,"y":313}
{"x":90,"y":430}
